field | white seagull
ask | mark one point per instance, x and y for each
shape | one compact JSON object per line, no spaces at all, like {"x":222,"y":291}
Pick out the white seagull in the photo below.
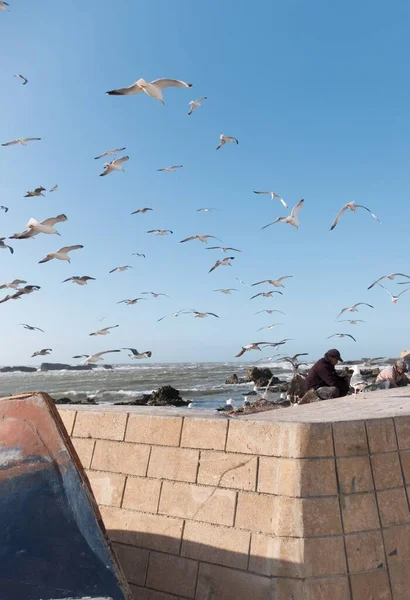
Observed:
{"x":394,"y":299}
{"x":206,"y":209}
{"x":352,"y":207}
{"x":141,"y":211}
{"x":222,"y":263}
{"x":226,"y":291}
{"x":130,"y":302}
{"x":202,"y":315}
{"x":114,"y":165}
{"x":54,"y":188}
{"x":37,"y":192}
{"x":194,"y":104}
{"x":22,"y":141}
{"x":4,"y":246}
{"x":269,"y":311}
{"x":391,"y":277}
{"x":160,"y":231}
{"x":200,"y":238}
{"x":292,"y":219}
{"x":274,"y":282}
{"x":175,"y":314}
{"x":138,"y":355}
{"x":224,"y":249}
{"x":120,"y":269}
{"x":104,"y":331}
{"x":155,"y":294}
{"x":270,"y":326}
{"x":22,"y":78}
{"x":42,"y":352}
{"x":153,"y":89}
{"x":5,"y":208}
{"x":353,"y":308}
{"x":35,"y":227}
{"x":255,"y":346}
{"x":171,"y":169}
{"x":109,"y":153}
{"x":226,"y":139}
{"x":13,"y":284}
{"x":91,"y":358}
{"x":352,"y":321}
{"x":266,"y":294}
{"x":31,"y":328}
{"x":61,"y":254}
{"x":139,"y":254}
{"x":274,"y":195}
{"x":83,"y":280}
{"x":341,"y":335}
{"x":4,"y":5}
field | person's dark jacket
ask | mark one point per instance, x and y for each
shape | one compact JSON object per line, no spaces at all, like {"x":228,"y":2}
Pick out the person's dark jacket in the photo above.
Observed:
{"x":322,"y":374}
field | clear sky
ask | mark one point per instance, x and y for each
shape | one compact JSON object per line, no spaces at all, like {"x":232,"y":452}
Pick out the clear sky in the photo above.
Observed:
{"x":318,"y":96}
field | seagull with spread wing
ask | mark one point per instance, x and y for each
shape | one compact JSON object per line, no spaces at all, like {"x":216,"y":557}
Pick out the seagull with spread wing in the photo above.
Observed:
{"x":83,"y":280}
{"x":155,"y":294}
{"x":194,"y":104}
{"x":14,"y":285}
{"x":274,"y":195}
{"x":352,"y":321}
{"x":391,"y":276}
{"x":226,"y":139}
{"x":23,"y":79}
{"x":255,"y":346}
{"x":104,"y":331}
{"x":130,"y":302}
{"x":224,"y":249}
{"x":226,"y":291}
{"x":141,"y":211}
{"x":269,"y":311}
{"x":170,"y":169}
{"x":202,"y":315}
{"x":353,"y":308}
{"x":270,"y":326}
{"x":91,"y":358}
{"x":4,"y":5}
{"x":266,"y":294}
{"x":293,"y":360}
{"x":352,"y":206}
{"x":109,"y":153}
{"x":114,"y":165}
{"x":292,"y":219}
{"x":222,"y":263}
{"x":138,"y":355}
{"x":54,"y":188}
{"x":153,"y":89}
{"x":21,"y":141}
{"x":274,"y":282}
{"x":160,"y":231}
{"x":42,"y":352}
{"x":31,"y":327}
{"x":394,"y":299}
{"x":35,"y":227}
{"x":183,"y":311}
{"x":61,"y":254}
{"x":206,"y":209}
{"x":120,"y":269}
{"x":139,"y":254}
{"x":37,"y":192}
{"x":5,"y":208}
{"x":4,"y":246}
{"x":341,"y":335}
{"x":200,"y":238}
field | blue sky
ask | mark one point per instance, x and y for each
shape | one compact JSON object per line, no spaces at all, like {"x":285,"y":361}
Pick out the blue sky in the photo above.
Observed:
{"x":318,"y":96}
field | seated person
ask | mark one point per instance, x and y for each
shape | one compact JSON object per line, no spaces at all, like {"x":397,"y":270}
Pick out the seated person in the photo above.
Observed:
{"x":392,"y":377}
{"x":323,"y":378}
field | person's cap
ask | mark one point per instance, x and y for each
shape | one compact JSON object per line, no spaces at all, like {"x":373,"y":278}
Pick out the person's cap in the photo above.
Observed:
{"x":334,"y":353}
{"x":401,"y":364}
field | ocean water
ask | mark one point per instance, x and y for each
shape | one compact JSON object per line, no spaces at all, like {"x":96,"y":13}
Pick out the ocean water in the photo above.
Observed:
{"x":201,"y":383}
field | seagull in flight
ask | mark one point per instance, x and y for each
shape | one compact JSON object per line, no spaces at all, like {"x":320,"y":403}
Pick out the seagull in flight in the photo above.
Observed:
{"x":341,"y":335}
{"x":138,"y":254}
{"x":114,"y":165}
{"x":222,"y":263}
{"x":352,"y":207}
{"x":270,"y":311}
{"x":394,"y":299}
{"x":194,"y":104}
{"x":203,"y":315}
{"x":61,"y":254}
{"x":270,"y":326}
{"x":138,"y":355}
{"x":226,"y":139}
{"x":274,"y":282}
{"x":37,"y":192}
{"x":104,"y":331}
{"x":4,"y":5}
{"x":3,"y":246}
{"x":171,"y":169}
{"x":255,"y":346}
{"x":292,"y":219}
{"x":353,"y":308}
{"x":130,"y":302}
{"x":266,"y":294}
{"x":91,"y":358}
{"x":54,"y":188}
{"x":120,"y":269}
{"x":22,"y":141}
{"x":5,"y":208}
{"x":201,"y":238}
{"x":31,"y":328}
{"x":12,"y":285}
{"x":35,"y":227}
{"x":28,"y":289}
{"x":175,"y":314}
{"x":153,"y":89}
{"x":141,"y":211}
{"x":22,"y":78}
{"x":224,"y":249}
{"x":391,"y":277}
{"x":352,"y":321}
{"x":226,"y":291}
{"x":206,"y":209}
{"x":160,"y":231}
{"x":83,"y":280}
{"x":109,"y":153}
{"x":274,"y":195}
{"x":242,"y":282}
{"x":293,"y":360}
{"x":42,"y":352}
{"x":155,"y":294}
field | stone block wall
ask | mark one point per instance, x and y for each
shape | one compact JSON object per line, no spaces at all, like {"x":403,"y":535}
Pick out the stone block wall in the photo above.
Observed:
{"x":209,"y":508}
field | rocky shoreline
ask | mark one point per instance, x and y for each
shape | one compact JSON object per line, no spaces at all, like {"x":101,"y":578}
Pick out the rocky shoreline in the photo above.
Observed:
{"x":46,"y":366}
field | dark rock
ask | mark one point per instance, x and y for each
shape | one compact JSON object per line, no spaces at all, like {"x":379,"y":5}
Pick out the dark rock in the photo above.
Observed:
{"x":283,"y":386}
{"x":164,"y":396}
{"x":18,"y":369}
{"x":232,"y":379}
{"x":62,"y":401}
{"x":261,"y":377}
{"x":46,"y":366}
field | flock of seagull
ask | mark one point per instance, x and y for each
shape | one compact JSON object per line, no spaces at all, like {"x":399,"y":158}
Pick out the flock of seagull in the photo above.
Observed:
{"x":19,"y":288}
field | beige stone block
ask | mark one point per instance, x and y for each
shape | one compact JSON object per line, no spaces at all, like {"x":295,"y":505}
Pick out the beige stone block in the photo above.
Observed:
{"x":286,"y":589}
{"x":288,"y":440}
{"x":107,"y":487}
{"x":393,"y":507}
{"x":321,"y":516}
{"x":140,"y":593}
{"x":209,"y":434}
{"x":142,"y":494}
{"x":400,"y":581}
{"x":68,"y":418}
{"x":297,"y":557}
{"x":223,"y":469}
{"x":397,"y":544}
{"x":255,"y":512}
{"x":326,"y":589}
{"x":154,"y":532}
{"x":213,"y":543}
{"x":365,"y":551}
{"x":350,"y":438}
{"x":403,"y":432}
{"x":222,"y":583}
{"x":354,"y":474}
{"x":199,"y":503}
{"x":297,"y":477}
{"x":359,"y":512}
{"x":156,"y":430}
{"x":386,"y":470}
{"x":100,"y":425}
{"x":381,"y":435}
{"x":173,"y":574}
{"x":405,"y":463}
{"x":84,"y":449}
{"x":371,"y":586}
{"x":133,"y":561}
{"x":178,"y":464}
{"x":120,"y":457}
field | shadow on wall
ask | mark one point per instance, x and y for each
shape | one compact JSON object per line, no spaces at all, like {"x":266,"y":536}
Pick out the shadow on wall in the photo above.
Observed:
{"x":164,"y":568}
